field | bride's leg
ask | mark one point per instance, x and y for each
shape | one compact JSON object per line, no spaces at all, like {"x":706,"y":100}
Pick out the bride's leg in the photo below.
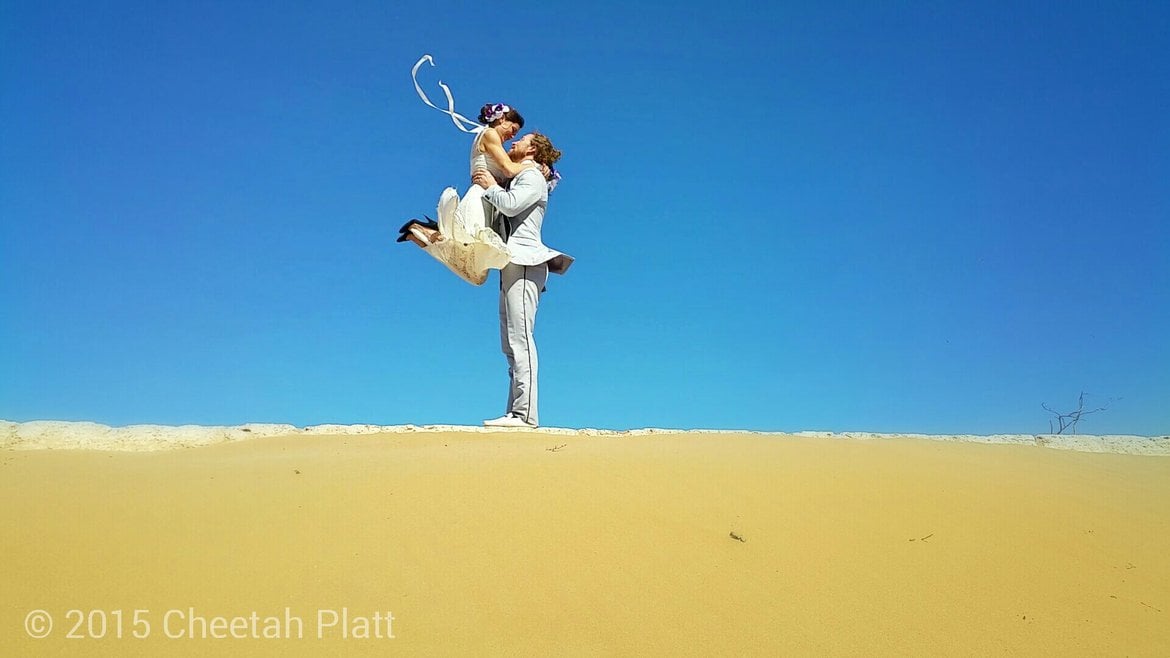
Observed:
{"x":410,"y":236}
{"x":419,"y":232}
{"x":423,"y":236}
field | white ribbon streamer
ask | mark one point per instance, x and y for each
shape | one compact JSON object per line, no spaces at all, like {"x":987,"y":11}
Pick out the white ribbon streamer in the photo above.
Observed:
{"x":456,"y":118}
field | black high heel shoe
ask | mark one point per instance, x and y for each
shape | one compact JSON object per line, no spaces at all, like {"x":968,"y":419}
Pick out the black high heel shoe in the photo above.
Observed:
{"x":405,"y":230}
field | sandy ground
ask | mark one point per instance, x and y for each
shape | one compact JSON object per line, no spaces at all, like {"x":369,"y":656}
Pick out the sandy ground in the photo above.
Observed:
{"x":537,"y":544}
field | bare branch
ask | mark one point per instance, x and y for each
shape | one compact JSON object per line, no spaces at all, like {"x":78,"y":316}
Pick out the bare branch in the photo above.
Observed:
{"x":1068,"y":421}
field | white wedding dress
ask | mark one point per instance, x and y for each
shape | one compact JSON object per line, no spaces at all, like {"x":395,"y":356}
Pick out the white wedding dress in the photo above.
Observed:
{"x":469,"y":247}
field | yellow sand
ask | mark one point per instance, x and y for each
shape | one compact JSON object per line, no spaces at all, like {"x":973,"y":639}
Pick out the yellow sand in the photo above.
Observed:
{"x":497,"y":544}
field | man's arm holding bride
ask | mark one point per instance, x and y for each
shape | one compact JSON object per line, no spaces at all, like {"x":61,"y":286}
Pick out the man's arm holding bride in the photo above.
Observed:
{"x":525,"y":191}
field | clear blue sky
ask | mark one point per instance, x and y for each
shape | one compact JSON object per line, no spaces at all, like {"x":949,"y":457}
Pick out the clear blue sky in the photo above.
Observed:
{"x":919,"y":217}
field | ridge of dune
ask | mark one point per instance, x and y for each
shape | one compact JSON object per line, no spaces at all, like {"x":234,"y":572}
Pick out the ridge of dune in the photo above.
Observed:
{"x":72,"y":435}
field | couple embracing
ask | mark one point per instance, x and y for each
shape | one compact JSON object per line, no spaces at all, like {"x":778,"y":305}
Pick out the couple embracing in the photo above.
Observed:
{"x":497,"y":225}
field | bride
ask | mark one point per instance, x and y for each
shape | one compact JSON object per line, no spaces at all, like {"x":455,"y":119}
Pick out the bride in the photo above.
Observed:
{"x":487,"y":152}
{"x":462,"y":239}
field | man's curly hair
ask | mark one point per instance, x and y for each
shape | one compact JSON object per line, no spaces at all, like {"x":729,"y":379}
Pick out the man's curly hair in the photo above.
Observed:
{"x":545,"y":153}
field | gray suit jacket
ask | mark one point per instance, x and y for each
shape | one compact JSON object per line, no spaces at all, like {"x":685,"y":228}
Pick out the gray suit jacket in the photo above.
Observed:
{"x":520,"y":217}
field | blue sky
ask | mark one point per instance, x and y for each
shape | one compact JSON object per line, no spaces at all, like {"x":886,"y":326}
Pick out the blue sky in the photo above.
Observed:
{"x":896,"y":217}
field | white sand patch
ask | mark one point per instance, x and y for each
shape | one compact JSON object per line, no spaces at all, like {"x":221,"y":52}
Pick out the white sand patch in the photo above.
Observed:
{"x":62,"y":435}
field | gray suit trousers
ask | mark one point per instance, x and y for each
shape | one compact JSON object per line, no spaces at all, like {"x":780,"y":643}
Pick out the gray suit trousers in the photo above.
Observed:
{"x":520,"y":287}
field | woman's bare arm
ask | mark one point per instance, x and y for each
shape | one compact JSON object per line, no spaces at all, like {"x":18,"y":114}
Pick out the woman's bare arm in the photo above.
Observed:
{"x":494,"y":147}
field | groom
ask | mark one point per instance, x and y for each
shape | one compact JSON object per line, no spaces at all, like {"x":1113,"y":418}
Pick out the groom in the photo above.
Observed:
{"x":519,"y":215}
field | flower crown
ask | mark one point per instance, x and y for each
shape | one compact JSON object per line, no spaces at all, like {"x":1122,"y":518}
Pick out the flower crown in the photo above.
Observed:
{"x":497,"y":111}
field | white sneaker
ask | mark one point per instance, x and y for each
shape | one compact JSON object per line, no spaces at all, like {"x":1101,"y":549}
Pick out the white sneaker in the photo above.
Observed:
{"x":507,"y":420}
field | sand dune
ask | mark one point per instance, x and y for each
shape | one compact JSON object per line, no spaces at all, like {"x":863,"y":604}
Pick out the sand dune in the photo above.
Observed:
{"x":58,"y":435}
{"x":562,"y":542}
